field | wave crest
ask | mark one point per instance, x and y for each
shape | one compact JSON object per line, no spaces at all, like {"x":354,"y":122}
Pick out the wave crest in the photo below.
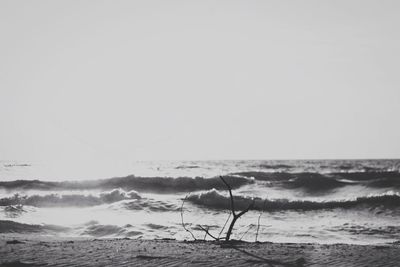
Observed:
{"x":150,"y":205}
{"x":148,"y":184}
{"x":214,"y":199}
{"x":78,"y":200}
{"x":318,"y":182}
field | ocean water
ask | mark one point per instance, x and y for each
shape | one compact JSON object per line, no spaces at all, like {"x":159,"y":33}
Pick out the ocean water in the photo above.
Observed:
{"x":323,"y":201}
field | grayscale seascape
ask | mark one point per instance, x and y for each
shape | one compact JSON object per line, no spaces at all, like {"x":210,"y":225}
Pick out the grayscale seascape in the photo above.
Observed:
{"x":199,"y":133}
{"x":321,"y":201}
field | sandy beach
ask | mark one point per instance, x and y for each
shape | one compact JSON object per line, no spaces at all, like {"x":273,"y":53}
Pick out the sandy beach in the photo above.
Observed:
{"x":18,"y":251}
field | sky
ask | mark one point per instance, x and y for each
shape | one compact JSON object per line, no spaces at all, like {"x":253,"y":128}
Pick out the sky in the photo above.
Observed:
{"x":151,"y":80}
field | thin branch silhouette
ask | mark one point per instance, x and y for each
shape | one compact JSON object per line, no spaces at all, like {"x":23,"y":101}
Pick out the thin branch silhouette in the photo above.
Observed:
{"x":259,"y":218}
{"x":235,"y":216}
{"x":183,"y":223}
{"x":226,"y":222}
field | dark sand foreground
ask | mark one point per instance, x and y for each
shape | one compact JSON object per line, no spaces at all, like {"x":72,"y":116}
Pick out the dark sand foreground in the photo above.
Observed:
{"x":18,"y":251}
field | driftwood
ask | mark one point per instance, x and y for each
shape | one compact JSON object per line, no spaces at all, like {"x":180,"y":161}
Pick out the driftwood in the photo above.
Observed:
{"x":182,"y":221}
{"x":259,"y":218}
{"x":227,"y":238}
{"x":234,"y":214}
{"x":223,"y":227}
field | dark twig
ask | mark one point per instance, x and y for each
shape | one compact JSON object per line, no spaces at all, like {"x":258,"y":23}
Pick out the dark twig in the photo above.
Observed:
{"x":235,"y":216}
{"x":208,"y":233}
{"x":248,"y":229}
{"x":223,"y":228}
{"x":183,"y":223}
{"x":229,"y":232}
{"x":247,"y":209}
{"x":205,"y":233}
{"x":230,"y":194}
{"x":259,"y":217}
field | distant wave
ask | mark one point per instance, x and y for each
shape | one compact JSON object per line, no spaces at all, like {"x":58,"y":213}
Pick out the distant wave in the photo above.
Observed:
{"x":187,"y":167}
{"x":274,"y":166}
{"x":285,"y":176}
{"x":314,"y":182}
{"x":78,"y":200}
{"x":367,"y":175}
{"x":309,"y":182}
{"x":16,"y":165}
{"x":214,"y":199}
{"x":266,"y":176}
{"x":148,"y":184}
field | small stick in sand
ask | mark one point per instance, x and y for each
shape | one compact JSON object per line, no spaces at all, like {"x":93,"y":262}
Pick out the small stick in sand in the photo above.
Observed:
{"x":208,"y":233}
{"x":183,"y":223}
{"x":259,"y":217}
{"x":248,"y":229}
{"x":223,"y":228}
{"x":235,"y":216}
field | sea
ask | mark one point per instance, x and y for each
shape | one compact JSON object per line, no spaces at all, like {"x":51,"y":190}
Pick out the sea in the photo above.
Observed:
{"x":296,"y":201}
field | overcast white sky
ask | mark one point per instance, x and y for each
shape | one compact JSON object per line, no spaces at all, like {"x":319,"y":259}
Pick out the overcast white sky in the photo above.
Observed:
{"x":199,"y":79}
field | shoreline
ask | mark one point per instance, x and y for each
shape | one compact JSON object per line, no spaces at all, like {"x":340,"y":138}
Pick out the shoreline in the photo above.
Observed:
{"x":19,"y":250}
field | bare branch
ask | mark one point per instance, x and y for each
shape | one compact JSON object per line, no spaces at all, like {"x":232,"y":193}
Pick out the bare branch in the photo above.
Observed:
{"x":230,"y":213}
{"x":230,"y":194}
{"x":235,"y":216}
{"x":205,"y":233}
{"x":247,"y":209}
{"x":248,"y":229}
{"x":208,"y":233}
{"x":259,"y":217}
{"x":183,"y":223}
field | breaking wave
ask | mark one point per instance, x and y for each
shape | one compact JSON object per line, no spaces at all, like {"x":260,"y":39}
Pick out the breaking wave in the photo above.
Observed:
{"x":214,"y":199}
{"x":148,"y":184}
{"x":77,"y":200}
{"x":118,"y":199}
{"x":150,"y":205}
{"x":314,"y":182}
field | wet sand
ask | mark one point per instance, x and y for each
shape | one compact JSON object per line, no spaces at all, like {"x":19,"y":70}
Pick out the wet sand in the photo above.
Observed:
{"x":20,"y":251}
